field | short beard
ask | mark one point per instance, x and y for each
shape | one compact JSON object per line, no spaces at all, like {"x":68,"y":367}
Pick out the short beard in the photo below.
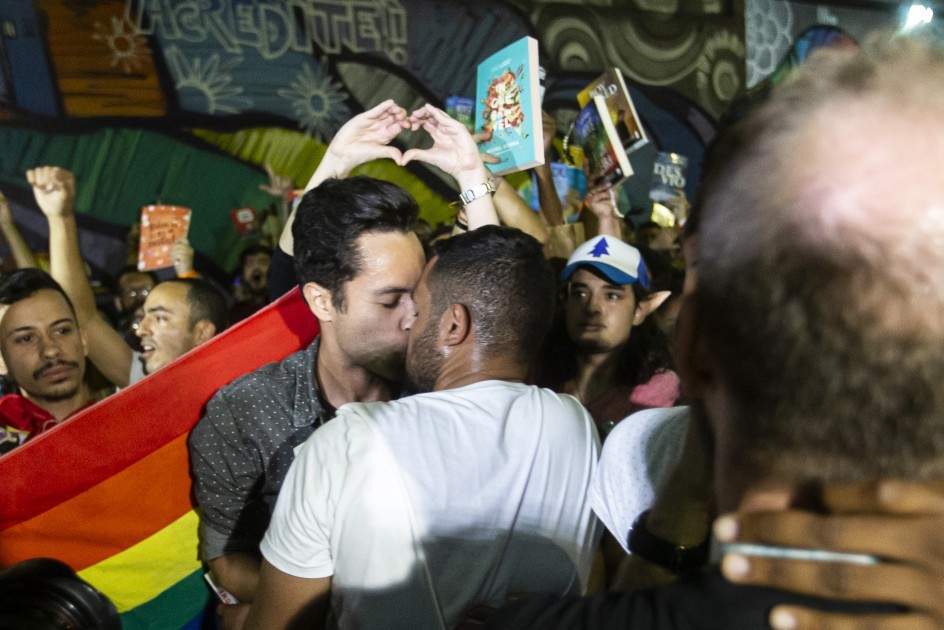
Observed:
{"x":59,"y":397}
{"x":389,"y":366}
{"x":424,"y":363}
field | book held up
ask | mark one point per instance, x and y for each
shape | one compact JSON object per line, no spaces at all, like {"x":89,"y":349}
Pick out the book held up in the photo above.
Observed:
{"x":611,"y":86}
{"x":605,"y":159}
{"x":508,"y":105}
{"x":161,"y":226}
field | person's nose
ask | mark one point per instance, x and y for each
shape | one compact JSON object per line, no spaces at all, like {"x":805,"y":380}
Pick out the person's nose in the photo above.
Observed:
{"x":409,"y":318}
{"x":50,"y":347}
{"x":144,"y":328}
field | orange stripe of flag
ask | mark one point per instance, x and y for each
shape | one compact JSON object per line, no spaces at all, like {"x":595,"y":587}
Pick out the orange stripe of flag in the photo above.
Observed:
{"x":112,"y":435}
{"x":141,"y":500}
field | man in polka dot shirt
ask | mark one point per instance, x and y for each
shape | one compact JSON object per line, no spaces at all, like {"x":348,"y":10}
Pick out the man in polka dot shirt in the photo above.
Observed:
{"x":357,"y":261}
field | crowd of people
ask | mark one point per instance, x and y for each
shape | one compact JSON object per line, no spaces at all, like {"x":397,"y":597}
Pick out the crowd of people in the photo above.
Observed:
{"x":498,"y":428}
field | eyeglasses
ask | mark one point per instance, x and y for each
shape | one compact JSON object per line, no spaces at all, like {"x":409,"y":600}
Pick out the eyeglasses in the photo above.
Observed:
{"x":137,"y":293}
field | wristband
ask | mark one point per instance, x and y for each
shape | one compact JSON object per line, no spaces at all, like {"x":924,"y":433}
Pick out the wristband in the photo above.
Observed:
{"x":462,"y":225}
{"x":675,"y":558}
{"x":477,"y":192}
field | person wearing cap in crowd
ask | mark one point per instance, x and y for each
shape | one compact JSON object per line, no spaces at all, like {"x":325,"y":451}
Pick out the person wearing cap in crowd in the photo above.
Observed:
{"x":618,"y":360}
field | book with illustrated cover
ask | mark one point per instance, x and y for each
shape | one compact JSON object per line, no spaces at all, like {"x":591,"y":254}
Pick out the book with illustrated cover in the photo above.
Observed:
{"x":508,"y":105}
{"x":161,"y":226}
{"x":462,"y":109}
{"x":605,"y":159}
{"x":611,"y":86}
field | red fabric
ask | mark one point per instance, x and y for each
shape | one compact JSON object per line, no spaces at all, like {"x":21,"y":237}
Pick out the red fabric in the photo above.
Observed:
{"x":23,"y":414}
{"x":662,"y":390}
{"x":114,"y":434}
{"x":614,"y":405}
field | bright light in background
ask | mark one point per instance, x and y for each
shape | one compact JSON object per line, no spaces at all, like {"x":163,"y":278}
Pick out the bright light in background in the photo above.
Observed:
{"x":918,"y":14}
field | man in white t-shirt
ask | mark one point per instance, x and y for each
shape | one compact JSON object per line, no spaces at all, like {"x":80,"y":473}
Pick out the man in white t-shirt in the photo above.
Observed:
{"x":407,"y":513}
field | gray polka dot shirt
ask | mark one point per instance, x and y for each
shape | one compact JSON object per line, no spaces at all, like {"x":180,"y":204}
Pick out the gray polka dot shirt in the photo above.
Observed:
{"x":241,"y":449}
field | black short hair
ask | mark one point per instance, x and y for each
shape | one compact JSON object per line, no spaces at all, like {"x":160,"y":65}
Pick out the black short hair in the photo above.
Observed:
{"x":205,"y":302}
{"x":127,"y":269}
{"x":23,"y":283}
{"x":332,"y":216}
{"x":252,"y":250}
{"x":501,"y":275}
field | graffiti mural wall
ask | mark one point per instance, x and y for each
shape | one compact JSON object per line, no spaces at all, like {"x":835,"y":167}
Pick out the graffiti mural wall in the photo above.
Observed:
{"x":183,"y":101}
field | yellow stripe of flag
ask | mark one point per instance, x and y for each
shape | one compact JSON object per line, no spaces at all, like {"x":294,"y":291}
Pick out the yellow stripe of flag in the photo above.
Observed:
{"x":142,"y":572}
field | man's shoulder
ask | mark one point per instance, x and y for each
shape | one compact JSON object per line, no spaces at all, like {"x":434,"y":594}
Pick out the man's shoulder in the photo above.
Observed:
{"x":278,"y":376}
{"x":494,"y":398}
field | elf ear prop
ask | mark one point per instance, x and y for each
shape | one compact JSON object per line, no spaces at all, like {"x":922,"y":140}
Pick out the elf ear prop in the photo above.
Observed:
{"x":648,"y":306}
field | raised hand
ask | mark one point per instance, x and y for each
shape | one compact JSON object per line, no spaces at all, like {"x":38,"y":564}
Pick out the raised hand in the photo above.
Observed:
{"x":54,"y":189}
{"x":479,"y":138}
{"x":366,"y":137}
{"x":602,"y":201}
{"x":279,"y":185}
{"x":181,"y":255}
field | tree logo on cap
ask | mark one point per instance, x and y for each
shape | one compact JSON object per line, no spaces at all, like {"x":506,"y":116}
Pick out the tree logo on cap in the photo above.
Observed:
{"x":600,"y":249}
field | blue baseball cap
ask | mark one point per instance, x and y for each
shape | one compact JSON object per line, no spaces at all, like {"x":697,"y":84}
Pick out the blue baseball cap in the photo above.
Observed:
{"x":620,"y":262}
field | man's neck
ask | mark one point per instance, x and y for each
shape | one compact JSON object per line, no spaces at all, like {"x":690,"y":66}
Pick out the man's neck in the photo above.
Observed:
{"x":596,"y":374}
{"x":62,"y":409}
{"x":467,"y":366}
{"x":341,"y":382}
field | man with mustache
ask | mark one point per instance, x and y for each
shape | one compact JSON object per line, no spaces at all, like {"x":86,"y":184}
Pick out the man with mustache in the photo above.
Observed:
{"x":179,"y":314}
{"x":44,"y":352}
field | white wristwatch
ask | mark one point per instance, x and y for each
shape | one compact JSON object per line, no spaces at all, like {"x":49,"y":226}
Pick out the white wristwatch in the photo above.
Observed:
{"x":477,"y":192}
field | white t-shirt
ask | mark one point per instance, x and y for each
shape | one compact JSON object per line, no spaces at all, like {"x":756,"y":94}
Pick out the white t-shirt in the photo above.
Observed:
{"x":637,"y":457}
{"x":422,"y":507}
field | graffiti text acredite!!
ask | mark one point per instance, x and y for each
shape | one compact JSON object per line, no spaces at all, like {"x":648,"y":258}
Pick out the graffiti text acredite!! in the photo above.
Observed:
{"x":277,"y":27}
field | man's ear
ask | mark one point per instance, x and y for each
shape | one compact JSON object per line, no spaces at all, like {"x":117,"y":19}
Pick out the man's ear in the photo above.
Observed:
{"x":203,"y":331}
{"x":648,"y":306}
{"x":691,"y":352}
{"x":319,"y":302}
{"x":455,"y":325}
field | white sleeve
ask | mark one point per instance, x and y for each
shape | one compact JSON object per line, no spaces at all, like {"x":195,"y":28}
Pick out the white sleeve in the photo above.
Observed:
{"x":298,"y":541}
{"x":636,"y":458}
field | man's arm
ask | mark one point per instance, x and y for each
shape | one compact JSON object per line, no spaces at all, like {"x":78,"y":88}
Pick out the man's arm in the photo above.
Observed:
{"x":363,"y":138}
{"x":515,"y":212}
{"x":900,"y":523}
{"x":602,"y":203}
{"x":680,"y":514}
{"x":54,"y":189}
{"x":285,"y":601}
{"x":225,"y":478}
{"x":238,"y":573}
{"x":548,"y":199}
{"x":22,"y":255}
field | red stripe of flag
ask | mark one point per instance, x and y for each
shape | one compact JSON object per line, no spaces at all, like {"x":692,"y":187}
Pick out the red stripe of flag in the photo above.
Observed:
{"x":118,"y":432}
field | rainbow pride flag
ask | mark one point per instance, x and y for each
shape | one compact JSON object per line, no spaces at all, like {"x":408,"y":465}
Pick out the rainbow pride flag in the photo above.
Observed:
{"x":108,"y":491}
